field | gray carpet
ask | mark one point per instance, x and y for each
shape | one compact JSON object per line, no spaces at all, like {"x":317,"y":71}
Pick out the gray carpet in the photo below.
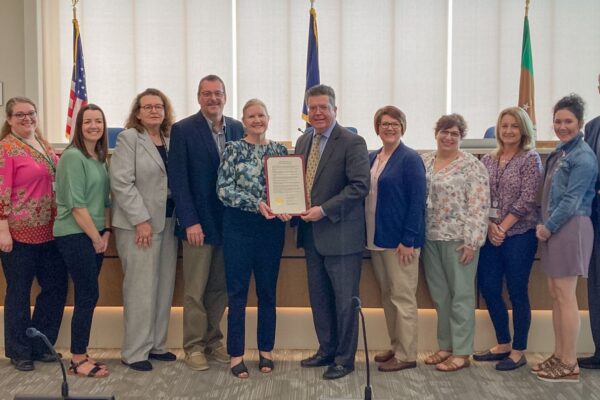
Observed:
{"x":289,"y":381}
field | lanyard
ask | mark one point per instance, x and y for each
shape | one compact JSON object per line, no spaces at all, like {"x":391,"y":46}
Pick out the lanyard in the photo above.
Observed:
{"x":498,"y":178}
{"x":44,"y":155}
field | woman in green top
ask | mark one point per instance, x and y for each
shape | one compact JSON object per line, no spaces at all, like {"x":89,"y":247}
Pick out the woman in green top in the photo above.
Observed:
{"x":82,"y":227}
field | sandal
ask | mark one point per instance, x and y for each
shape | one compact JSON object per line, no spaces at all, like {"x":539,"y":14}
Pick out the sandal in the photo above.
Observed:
{"x":437,"y":358}
{"x":96,"y":363}
{"x":547,"y":363}
{"x":265,"y":362}
{"x":240,"y":369}
{"x":559,"y":372}
{"x":93,"y":373}
{"x":450,"y":366}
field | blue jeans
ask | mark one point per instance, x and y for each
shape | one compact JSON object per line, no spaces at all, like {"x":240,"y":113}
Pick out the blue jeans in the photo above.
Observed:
{"x":251,"y":245}
{"x":511,"y":260}
{"x":83,"y":264}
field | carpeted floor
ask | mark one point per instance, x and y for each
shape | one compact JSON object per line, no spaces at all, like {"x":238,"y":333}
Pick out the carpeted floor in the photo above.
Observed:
{"x":290,"y":382}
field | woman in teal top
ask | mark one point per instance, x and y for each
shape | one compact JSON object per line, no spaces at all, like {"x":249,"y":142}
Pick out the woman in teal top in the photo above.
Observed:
{"x":252,"y":236}
{"x":82,"y":227}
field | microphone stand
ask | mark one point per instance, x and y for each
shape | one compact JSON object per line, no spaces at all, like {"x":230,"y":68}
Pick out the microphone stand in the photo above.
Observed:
{"x":368,"y":389}
{"x":33,"y":333}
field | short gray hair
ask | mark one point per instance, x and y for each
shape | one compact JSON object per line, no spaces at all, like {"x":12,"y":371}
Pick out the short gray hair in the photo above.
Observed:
{"x":321,"y":90}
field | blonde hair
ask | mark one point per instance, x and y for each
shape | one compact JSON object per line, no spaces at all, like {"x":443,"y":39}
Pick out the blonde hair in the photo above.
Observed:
{"x":254,"y":102}
{"x":525,"y":127}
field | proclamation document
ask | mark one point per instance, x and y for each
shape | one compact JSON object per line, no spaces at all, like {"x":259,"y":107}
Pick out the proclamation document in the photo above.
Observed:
{"x":286,"y":190}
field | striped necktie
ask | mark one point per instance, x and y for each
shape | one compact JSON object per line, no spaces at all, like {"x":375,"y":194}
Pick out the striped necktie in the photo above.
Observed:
{"x":312,"y":163}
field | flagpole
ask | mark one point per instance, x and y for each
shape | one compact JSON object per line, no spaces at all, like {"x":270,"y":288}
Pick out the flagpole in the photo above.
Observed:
{"x":526,"y":8}
{"x":312,"y":3}
{"x":74,"y":5}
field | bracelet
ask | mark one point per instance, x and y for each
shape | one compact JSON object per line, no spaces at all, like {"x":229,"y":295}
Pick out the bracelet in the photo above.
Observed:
{"x":109,"y":230}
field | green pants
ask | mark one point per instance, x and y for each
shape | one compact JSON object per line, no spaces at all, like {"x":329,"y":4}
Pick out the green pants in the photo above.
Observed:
{"x":452,"y":288}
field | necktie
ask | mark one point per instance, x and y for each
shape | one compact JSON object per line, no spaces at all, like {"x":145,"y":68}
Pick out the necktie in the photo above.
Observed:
{"x":312,"y":163}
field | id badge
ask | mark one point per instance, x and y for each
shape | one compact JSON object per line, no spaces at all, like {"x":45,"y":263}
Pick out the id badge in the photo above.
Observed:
{"x":428,"y":203}
{"x":54,"y":186}
{"x":494,"y":213}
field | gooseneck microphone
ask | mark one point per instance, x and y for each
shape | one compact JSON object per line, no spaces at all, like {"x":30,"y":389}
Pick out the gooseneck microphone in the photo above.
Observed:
{"x":33,"y":333}
{"x":368,"y":390}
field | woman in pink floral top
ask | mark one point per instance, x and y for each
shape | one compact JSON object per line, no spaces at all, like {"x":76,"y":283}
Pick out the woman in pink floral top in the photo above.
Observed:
{"x":27,"y":248}
{"x":458,"y":199}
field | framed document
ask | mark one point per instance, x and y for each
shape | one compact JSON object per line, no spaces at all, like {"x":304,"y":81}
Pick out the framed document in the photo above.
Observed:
{"x":286,"y":188}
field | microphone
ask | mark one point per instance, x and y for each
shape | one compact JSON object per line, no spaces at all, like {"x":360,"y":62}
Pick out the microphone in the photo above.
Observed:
{"x":31,"y":333}
{"x":368,"y":390}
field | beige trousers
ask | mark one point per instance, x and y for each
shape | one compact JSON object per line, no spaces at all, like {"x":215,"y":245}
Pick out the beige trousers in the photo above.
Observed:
{"x":204,"y":297}
{"x":398,"y":284}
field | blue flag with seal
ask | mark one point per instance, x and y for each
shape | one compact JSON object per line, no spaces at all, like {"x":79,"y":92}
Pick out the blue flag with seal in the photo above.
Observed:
{"x":312,"y":59}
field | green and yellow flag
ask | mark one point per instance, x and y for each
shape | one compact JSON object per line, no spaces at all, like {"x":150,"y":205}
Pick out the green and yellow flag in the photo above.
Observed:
{"x":526,"y":88}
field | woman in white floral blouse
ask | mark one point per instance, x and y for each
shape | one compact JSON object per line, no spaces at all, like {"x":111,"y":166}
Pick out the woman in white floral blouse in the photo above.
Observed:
{"x":458,"y":201}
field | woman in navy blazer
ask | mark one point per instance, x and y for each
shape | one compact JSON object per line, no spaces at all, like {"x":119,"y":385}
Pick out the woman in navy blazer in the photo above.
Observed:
{"x":395,"y":217}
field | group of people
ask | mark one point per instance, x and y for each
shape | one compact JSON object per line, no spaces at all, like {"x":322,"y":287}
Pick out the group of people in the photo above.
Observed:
{"x":202,"y":180}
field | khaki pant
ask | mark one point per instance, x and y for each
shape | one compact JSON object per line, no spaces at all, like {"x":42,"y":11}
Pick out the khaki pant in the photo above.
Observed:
{"x":398,"y":284}
{"x":204,"y":297}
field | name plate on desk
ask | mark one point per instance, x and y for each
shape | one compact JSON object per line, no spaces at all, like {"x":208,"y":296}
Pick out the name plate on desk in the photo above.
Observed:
{"x":286,"y":188}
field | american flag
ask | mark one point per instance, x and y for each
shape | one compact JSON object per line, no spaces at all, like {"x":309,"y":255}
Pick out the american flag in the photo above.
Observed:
{"x":78,"y":94}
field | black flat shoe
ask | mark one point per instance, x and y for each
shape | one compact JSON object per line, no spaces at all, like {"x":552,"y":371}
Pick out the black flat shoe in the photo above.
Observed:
{"x":168,"y":356}
{"x":239,"y":369}
{"x":592,"y":362}
{"x":316,"y":360}
{"x":489,"y":356}
{"x":264,"y":362}
{"x":142,"y":366}
{"x":337,"y":371}
{"x":508,"y":364}
{"x":22,"y":365}
{"x":47,"y":357}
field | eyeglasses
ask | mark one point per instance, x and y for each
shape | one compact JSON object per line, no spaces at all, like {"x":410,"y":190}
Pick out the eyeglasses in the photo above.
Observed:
{"x":452,"y":134}
{"x":218,"y":94}
{"x":393,"y":125}
{"x":21,"y":116}
{"x":150,"y":107}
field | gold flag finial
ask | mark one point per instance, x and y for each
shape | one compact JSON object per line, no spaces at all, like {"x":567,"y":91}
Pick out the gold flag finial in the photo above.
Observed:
{"x":526,"y":8}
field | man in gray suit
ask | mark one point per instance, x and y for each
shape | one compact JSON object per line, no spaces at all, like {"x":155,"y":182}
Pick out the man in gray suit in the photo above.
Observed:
{"x":332,"y":230}
{"x":592,"y":137}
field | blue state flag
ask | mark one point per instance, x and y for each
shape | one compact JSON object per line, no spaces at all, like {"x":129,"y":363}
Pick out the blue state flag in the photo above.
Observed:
{"x":312,"y":59}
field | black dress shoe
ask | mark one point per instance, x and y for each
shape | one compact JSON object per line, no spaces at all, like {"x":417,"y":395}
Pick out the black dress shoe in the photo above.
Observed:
{"x":168,"y":356}
{"x":46,"y":357}
{"x":592,"y":362}
{"x":316,"y":360}
{"x":489,"y":356}
{"x":22,"y":365}
{"x":139,"y":365}
{"x":337,"y":371}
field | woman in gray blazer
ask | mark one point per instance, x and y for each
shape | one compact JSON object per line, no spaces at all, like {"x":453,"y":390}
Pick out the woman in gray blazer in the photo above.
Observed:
{"x":144,"y":221}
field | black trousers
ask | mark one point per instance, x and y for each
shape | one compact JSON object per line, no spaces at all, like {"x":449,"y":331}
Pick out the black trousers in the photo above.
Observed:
{"x":332,"y":282}
{"x":21,"y":265}
{"x":83,"y":264}
{"x":594,"y":288}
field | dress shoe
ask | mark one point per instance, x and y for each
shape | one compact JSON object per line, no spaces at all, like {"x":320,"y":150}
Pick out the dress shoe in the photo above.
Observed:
{"x":168,"y":356}
{"x":393,"y":364}
{"x":489,"y":356}
{"x":196,"y":361}
{"x":592,"y":362}
{"x":142,"y":366}
{"x":508,"y":364}
{"x":383,"y":357}
{"x":316,"y":360}
{"x":22,"y":365}
{"x":46,"y":357}
{"x":219,"y":354}
{"x":337,"y":371}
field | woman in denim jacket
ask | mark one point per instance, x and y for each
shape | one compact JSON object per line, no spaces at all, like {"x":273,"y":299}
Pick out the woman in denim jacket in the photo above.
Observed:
{"x":566,"y":234}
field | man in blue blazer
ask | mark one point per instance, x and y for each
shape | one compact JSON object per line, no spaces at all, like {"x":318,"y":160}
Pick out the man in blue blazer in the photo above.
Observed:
{"x":592,"y":137}
{"x":197,"y":144}
{"x":332,"y":230}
